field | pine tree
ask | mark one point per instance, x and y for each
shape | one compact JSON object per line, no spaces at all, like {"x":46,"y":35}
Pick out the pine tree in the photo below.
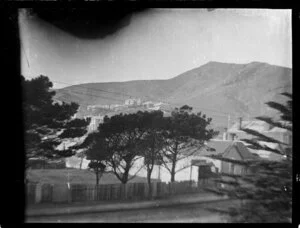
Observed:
{"x":184,"y":130}
{"x":46,"y":123}
{"x":266,"y":190}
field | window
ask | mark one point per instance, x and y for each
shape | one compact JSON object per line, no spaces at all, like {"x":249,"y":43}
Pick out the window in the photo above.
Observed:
{"x":231,"y":168}
{"x":243,"y":170}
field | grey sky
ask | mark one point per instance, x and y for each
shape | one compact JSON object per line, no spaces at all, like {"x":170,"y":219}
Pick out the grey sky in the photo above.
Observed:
{"x":157,"y":44}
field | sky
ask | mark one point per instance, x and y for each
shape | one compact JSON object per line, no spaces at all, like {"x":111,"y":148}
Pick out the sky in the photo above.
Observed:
{"x":156,"y":44}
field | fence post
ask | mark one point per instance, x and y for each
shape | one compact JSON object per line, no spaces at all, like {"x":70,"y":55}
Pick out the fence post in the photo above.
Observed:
{"x":146,"y":189}
{"x":126,"y":188}
{"x":111,"y":192}
{"x":69,"y":193}
{"x":38,"y":193}
{"x":154,"y":189}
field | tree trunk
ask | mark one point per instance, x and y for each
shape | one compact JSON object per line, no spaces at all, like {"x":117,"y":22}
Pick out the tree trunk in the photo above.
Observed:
{"x":125,"y":175}
{"x":80,"y":165}
{"x":174,"y":161}
{"x":149,"y":172}
{"x":124,"y":191}
{"x":173,"y":175}
{"x":97,"y":177}
{"x":173,"y":171}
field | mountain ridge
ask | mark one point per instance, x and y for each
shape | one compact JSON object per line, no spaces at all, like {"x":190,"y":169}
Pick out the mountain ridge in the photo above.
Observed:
{"x":228,"y":87}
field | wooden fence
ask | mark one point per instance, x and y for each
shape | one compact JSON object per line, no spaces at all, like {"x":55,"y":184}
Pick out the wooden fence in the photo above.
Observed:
{"x":49,"y":193}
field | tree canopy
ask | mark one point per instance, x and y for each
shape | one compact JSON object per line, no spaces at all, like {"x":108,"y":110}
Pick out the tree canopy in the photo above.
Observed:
{"x":121,"y":136}
{"x":46,"y":123}
{"x":184,"y":130}
{"x":266,"y":190}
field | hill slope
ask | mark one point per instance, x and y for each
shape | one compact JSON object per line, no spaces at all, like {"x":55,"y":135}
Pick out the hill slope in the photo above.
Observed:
{"x":239,"y":89}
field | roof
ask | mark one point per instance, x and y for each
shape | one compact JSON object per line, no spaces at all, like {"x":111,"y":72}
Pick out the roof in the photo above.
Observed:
{"x":257,"y":125}
{"x":222,"y":148}
{"x":218,"y":145}
{"x":243,"y":151}
{"x":277,"y":129}
{"x":201,"y":162}
{"x":268,"y":154}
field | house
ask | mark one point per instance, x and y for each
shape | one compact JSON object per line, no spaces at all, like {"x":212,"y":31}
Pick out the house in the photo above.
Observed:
{"x":95,"y":121}
{"x":39,"y":163}
{"x":200,"y":164}
{"x":148,"y":104}
{"x":282,"y":135}
{"x":133,"y":101}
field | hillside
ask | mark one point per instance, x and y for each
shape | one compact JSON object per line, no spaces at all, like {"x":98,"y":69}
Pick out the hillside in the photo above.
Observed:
{"x":239,"y":89}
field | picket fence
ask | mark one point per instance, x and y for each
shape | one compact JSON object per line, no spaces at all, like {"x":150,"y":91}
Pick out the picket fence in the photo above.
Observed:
{"x":63,"y":193}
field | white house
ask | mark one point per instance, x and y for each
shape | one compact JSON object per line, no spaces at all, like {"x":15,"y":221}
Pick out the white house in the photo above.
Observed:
{"x":191,"y":167}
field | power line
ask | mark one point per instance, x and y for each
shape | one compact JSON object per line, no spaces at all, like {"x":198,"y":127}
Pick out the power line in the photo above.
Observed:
{"x":101,"y":90}
{"x":93,"y":95}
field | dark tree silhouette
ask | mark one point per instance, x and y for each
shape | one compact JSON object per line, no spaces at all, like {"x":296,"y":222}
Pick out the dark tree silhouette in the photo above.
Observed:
{"x":97,"y":154}
{"x":121,"y":136}
{"x":266,"y":190}
{"x":184,"y":130}
{"x":46,"y":123}
{"x":153,"y":143}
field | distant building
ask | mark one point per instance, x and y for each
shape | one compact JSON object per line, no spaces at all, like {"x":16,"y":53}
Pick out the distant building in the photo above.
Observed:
{"x":39,"y":163}
{"x":55,"y":101}
{"x":95,"y":121}
{"x":133,"y":101}
{"x":148,"y":104}
{"x":95,"y":107}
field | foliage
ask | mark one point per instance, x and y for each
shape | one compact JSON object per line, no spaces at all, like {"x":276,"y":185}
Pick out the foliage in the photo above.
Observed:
{"x":153,"y":143}
{"x":266,"y":190}
{"x":184,"y":130}
{"x":47,"y":123}
{"x":123,"y":139}
{"x":97,"y":154}
{"x":120,"y":136}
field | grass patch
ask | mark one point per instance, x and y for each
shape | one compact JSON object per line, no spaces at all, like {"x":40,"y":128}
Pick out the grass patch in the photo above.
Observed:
{"x":76,"y":176}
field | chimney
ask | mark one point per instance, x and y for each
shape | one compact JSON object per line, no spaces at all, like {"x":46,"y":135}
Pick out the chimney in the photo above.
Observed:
{"x":232,"y":136}
{"x":240,"y":123}
{"x":225,"y":134}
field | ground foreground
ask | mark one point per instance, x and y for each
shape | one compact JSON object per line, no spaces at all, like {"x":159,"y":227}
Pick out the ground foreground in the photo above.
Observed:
{"x":191,"y":213}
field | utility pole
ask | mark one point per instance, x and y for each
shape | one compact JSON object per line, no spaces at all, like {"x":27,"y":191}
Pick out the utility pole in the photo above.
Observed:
{"x":158,"y":172}
{"x":228,"y":122}
{"x":191,"y":171}
{"x":68,"y":180}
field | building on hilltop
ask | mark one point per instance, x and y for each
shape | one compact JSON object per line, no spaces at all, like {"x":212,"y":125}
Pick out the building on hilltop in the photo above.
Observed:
{"x":95,"y":121}
{"x":39,"y":163}
{"x":148,"y":104}
{"x":133,"y":101}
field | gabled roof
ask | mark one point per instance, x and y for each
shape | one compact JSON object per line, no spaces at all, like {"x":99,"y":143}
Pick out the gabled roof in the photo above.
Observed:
{"x":257,"y":125}
{"x":221,"y":148}
{"x":268,"y":154}
{"x":218,"y":145}
{"x":213,"y":147}
{"x":241,"y":149}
